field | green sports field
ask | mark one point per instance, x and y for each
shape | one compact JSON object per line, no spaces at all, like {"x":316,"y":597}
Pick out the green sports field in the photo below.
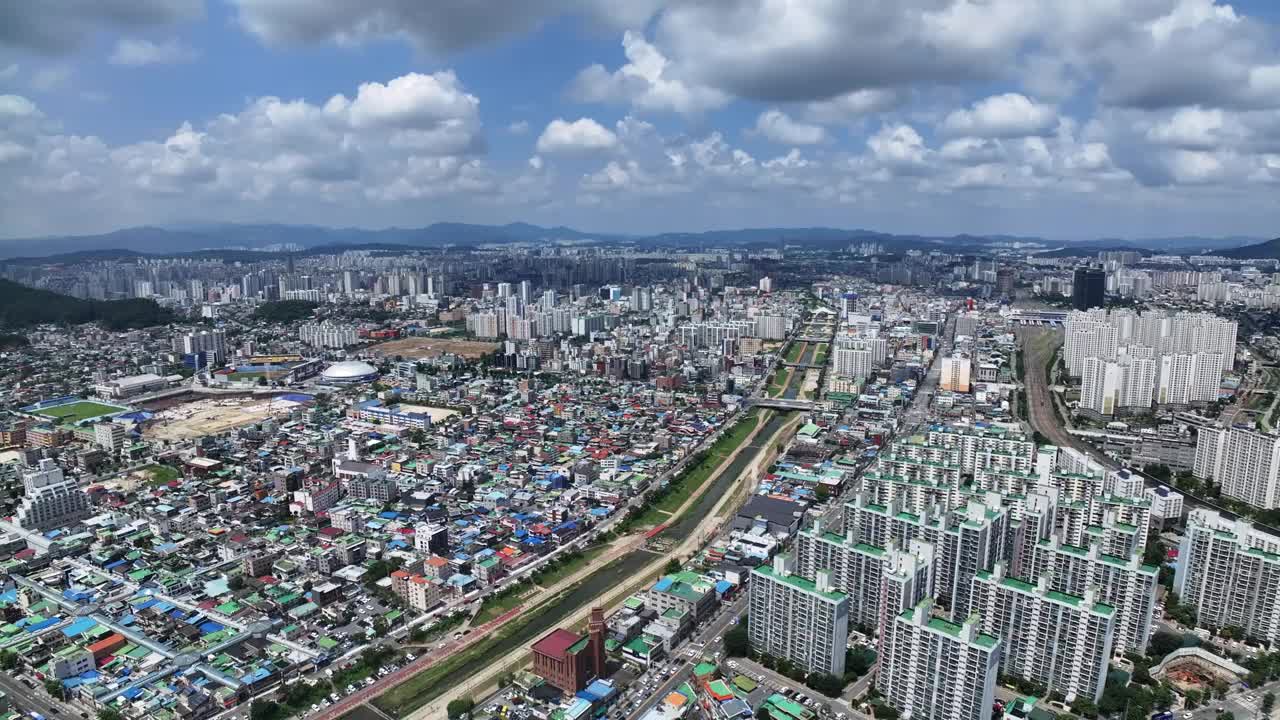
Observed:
{"x":77,"y":411}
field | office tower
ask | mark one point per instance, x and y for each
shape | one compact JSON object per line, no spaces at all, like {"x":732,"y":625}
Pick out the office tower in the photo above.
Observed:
{"x":1230,"y":573}
{"x":50,"y":500}
{"x":526,"y":293}
{"x":802,"y":621}
{"x":1124,"y":583}
{"x":1059,"y":640}
{"x":1004,"y":282}
{"x":1088,"y":287}
{"x":955,"y":374}
{"x":1245,"y":464}
{"x":932,"y":669}
{"x":348,"y":282}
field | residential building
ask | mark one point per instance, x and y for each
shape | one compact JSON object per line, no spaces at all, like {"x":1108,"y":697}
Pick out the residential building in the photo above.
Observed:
{"x":1244,"y":463}
{"x":50,"y":500}
{"x":1229,"y":571}
{"x":956,"y":371}
{"x":803,"y":621}
{"x":1060,"y":640}
{"x":932,"y":669}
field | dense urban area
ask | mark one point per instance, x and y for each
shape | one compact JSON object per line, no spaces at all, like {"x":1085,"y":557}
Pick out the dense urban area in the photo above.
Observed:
{"x":568,"y":480}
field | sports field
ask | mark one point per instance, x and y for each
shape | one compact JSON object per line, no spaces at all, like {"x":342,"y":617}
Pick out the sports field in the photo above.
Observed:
{"x":77,"y":411}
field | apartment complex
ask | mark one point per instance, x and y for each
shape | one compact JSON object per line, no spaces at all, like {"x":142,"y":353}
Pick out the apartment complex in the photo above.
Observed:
{"x":1245,"y":463}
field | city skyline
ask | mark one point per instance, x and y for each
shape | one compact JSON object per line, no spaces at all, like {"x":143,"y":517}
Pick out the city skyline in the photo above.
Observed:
{"x":1080,"y":120}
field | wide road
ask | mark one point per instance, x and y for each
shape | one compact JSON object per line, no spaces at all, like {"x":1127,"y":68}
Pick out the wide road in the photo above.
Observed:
{"x":27,"y":699}
{"x":708,"y":641}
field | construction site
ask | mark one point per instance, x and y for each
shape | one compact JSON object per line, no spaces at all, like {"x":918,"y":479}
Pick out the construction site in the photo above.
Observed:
{"x":212,"y":416}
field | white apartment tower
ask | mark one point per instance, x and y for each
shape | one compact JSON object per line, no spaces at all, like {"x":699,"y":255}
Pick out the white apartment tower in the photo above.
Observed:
{"x":956,"y":371}
{"x":803,"y":621}
{"x":1229,"y":572}
{"x":1063,"y":641}
{"x":932,"y":669}
{"x":1245,"y":463}
{"x":51,"y":500}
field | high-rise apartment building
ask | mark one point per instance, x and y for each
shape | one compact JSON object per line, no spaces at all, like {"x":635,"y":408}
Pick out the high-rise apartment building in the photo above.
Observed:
{"x":1244,"y":463}
{"x":1229,"y":572}
{"x":932,"y":669}
{"x":50,"y":500}
{"x":803,"y":621}
{"x":955,"y":374}
{"x":1060,"y":640}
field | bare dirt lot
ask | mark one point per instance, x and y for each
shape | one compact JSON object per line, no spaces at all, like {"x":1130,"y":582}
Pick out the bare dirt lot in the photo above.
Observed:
{"x":424,"y":347}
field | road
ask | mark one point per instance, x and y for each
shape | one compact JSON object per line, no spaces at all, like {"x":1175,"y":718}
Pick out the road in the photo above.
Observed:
{"x":707,"y":642}
{"x":27,"y":699}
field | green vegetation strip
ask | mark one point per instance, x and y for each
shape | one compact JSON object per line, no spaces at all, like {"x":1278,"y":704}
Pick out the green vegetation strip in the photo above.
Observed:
{"x":794,"y":352}
{"x":680,"y":489}
{"x":444,"y":676}
{"x":779,"y":383}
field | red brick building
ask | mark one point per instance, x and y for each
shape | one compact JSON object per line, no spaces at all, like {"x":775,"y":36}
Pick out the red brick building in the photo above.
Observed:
{"x":569,"y":661}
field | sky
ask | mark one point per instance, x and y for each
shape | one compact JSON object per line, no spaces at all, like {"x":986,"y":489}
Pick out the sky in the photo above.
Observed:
{"x":1074,"y":119}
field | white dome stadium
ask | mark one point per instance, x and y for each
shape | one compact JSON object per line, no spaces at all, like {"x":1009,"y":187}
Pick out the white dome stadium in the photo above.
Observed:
{"x":352,"y":371}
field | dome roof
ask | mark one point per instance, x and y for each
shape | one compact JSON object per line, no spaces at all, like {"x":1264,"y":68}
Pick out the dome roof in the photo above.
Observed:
{"x":350,"y":371}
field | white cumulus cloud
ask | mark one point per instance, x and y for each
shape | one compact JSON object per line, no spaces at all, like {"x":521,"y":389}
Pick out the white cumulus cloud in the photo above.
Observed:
{"x":581,"y":135}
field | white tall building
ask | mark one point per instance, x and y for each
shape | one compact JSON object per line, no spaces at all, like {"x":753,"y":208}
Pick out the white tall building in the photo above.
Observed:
{"x":212,"y":344}
{"x":771,"y":327}
{"x":805,"y":622}
{"x":1230,"y":573}
{"x":932,"y":669}
{"x":1062,"y":641}
{"x":1124,"y":583}
{"x":51,"y":500}
{"x":955,"y":374}
{"x":1245,"y":463}
{"x":1189,"y":378}
{"x":109,"y":436}
{"x":326,"y":334}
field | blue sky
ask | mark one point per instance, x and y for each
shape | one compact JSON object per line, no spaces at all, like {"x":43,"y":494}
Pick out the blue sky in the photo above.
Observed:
{"x":1089,"y":118}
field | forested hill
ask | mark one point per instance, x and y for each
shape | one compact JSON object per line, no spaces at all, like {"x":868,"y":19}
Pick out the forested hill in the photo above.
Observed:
{"x":23,"y":307}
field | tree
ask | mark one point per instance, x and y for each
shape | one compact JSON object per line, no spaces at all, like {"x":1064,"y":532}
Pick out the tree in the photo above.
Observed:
{"x":459,"y":707}
{"x":672,"y":566}
{"x":762,"y":713}
{"x":54,"y":688}
{"x":263,"y":710}
{"x":1225,"y":715}
{"x":1162,"y":643}
{"x":828,"y":685}
{"x":736,"y":641}
{"x":9,"y":660}
{"x":1268,"y":702}
{"x":235,"y":583}
{"x":109,"y":713}
{"x":1084,"y":707}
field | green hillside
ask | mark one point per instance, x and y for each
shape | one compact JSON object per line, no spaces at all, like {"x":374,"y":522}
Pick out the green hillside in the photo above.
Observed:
{"x":24,"y":307}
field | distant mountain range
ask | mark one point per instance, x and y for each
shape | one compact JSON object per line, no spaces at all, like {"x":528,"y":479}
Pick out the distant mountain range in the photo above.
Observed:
{"x":1269,"y":250}
{"x":251,"y":238}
